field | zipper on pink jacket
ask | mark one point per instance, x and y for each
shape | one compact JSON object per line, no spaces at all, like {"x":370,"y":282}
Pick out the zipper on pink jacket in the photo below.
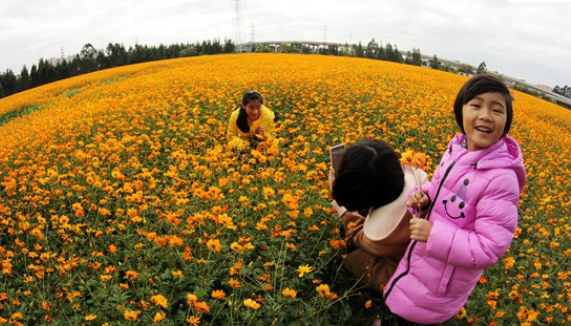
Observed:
{"x":409,"y":252}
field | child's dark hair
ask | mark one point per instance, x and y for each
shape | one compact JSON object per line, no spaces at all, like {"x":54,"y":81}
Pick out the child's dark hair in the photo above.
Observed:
{"x":370,"y":176}
{"x":480,"y":84}
{"x":242,"y":121}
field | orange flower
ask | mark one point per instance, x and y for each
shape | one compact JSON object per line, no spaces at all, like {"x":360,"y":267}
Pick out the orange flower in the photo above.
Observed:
{"x":289,"y":293}
{"x":214,"y":245}
{"x":132,"y":315}
{"x":252,"y":304}
{"x":160,"y":300}
{"x":132,"y":275}
{"x":159,"y":316}
{"x":194,"y":321}
{"x":218,"y":294}
{"x":201,"y":307}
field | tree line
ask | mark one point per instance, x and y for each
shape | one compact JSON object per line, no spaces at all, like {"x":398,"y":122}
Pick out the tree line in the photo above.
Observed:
{"x":115,"y":55}
{"x":564,"y":91}
{"x":91,"y":59}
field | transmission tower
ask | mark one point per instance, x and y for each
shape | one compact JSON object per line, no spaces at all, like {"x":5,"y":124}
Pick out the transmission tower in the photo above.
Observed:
{"x":237,"y":21}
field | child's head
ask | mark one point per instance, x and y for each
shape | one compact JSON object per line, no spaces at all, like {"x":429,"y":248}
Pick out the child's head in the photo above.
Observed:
{"x":250,"y":109}
{"x":480,"y":84}
{"x":483,"y":109}
{"x":370,"y":176}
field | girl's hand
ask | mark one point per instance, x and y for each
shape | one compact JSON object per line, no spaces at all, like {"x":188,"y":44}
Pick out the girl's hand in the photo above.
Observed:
{"x":419,"y":229}
{"x":417,"y":200}
{"x":260,"y":130}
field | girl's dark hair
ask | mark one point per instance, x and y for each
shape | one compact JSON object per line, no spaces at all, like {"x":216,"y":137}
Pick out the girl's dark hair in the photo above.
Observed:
{"x":242,"y":121}
{"x":370,"y":176}
{"x":481,"y":84}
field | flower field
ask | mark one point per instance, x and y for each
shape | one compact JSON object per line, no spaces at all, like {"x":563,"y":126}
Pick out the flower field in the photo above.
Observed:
{"x":120,"y":202}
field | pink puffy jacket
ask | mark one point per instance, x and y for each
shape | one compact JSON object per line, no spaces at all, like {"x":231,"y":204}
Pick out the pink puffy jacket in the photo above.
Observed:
{"x":473,"y":211}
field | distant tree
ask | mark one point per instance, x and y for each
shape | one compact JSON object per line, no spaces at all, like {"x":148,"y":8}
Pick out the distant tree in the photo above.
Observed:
{"x":9,"y":82}
{"x":264,"y":49}
{"x":372,"y":49}
{"x":63,"y":70}
{"x":359,"y":52}
{"x":434,"y":63}
{"x":304,"y":49}
{"x":389,"y":52}
{"x":288,"y":48}
{"x":381,"y":53}
{"x":564,"y":91}
{"x":481,"y":68}
{"x":117,"y":54}
{"x":25,"y":81}
{"x":416,"y":57}
{"x":466,"y":69}
{"x":88,"y":51}
{"x":189,"y":51}
{"x":333,"y":49}
{"x":397,"y":56}
{"x":229,"y":46}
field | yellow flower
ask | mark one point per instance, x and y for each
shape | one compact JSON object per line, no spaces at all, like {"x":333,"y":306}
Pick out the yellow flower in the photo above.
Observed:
{"x":302,"y":269}
{"x":287,"y":292}
{"x":132,"y":315}
{"x":159,"y":316}
{"x":214,"y":245}
{"x":252,"y":304}
{"x":89,"y":317}
{"x":461,"y":314}
{"x":194,"y":321}
{"x":368,"y":304}
{"x":160,"y":300}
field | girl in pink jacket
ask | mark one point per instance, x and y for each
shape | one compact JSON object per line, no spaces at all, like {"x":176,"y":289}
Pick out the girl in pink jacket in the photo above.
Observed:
{"x":469,"y":209}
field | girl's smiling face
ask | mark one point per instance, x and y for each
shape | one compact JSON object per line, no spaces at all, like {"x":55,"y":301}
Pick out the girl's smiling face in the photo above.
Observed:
{"x":484,"y":120}
{"x":253,"y":110}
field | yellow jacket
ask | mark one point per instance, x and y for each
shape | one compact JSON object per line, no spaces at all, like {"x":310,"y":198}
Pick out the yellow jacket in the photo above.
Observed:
{"x":239,"y":139}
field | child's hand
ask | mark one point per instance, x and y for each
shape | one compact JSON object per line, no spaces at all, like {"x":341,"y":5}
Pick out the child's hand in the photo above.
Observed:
{"x":419,"y":229}
{"x":417,"y":200}
{"x":260,"y":130}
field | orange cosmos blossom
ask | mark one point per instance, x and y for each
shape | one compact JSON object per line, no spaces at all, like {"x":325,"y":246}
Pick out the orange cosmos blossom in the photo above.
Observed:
{"x":132,"y":315}
{"x":160,"y":300}
{"x":218,"y":294}
{"x":214,"y":245}
{"x":252,"y":304}
{"x":193,"y":320}
{"x":324,"y":292}
{"x":289,"y":293}
{"x":159,"y":316}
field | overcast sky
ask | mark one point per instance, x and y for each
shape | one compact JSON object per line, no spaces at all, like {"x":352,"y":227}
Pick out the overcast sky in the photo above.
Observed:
{"x":522,"y":38}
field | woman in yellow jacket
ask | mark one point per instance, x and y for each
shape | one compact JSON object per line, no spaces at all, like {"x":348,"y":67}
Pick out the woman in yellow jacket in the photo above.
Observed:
{"x":251,"y":123}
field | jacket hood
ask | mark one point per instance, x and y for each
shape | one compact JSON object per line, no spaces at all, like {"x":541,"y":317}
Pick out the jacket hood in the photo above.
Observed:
{"x":504,"y":154}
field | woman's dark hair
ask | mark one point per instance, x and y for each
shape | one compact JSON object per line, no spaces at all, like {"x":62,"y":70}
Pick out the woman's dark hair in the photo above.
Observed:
{"x":481,"y":84}
{"x":370,"y":176}
{"x":242,"y":121}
